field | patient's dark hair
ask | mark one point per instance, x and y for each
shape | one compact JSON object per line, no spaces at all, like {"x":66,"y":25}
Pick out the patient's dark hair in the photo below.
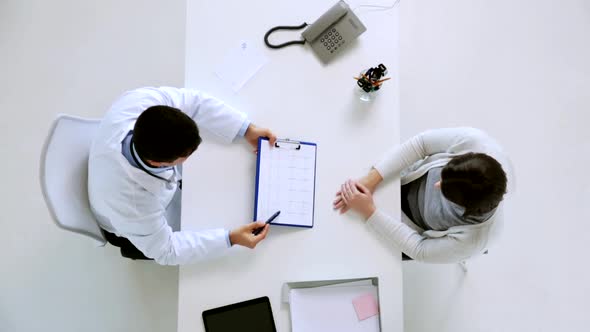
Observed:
{"x":164,"y":134}
{"x":475,"y":181}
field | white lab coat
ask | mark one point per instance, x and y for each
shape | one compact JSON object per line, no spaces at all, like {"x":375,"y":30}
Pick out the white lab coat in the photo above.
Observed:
{"x":132,"y":204}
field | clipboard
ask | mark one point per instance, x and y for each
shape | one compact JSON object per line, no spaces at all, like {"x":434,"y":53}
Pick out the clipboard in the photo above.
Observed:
{"x":285,"y":181}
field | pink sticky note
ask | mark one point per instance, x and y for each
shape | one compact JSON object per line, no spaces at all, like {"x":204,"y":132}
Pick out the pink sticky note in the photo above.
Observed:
{"x":365,"y":306}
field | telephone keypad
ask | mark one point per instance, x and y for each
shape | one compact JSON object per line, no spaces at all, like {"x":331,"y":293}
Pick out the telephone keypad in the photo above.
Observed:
{"x":332,"y":40}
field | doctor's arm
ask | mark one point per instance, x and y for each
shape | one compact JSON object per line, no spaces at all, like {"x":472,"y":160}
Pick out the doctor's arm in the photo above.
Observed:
{"x":151,"y":234}
{"x":215,"y":116}
{"x":167,"y":247}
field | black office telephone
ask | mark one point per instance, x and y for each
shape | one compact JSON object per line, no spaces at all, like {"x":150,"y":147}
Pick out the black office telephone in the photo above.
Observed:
{"x":329,"y":34}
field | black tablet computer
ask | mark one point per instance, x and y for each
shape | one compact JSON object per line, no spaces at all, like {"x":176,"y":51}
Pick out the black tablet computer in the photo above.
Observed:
{"x":248,"y":316}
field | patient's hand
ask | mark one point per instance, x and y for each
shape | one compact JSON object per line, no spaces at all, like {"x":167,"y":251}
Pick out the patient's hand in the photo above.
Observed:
{"x":339,"y":204}
{"x":354,"y":195}
{"x":370,"y":181}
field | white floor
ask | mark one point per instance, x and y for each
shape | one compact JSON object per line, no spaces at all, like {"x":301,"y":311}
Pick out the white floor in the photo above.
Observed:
{"x":75,"y":57}
{"x":518,"y":69}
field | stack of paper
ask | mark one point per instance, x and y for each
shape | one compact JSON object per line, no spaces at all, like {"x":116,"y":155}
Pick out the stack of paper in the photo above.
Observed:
{"x":347,"y":307}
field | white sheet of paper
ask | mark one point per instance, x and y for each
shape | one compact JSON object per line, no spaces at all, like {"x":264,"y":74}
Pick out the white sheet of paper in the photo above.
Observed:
{"x":330,"y":309}
{"x":286,"y":182}
{"x":240,"y":64}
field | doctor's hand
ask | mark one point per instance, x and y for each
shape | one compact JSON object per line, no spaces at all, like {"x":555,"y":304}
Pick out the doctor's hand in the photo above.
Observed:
{"x":253,"y":133}
{"x":356,"y":196}
{"x":243,"y":235}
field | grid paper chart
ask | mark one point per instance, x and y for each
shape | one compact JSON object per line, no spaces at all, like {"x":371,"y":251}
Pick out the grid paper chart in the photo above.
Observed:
{"x":286,"y":183}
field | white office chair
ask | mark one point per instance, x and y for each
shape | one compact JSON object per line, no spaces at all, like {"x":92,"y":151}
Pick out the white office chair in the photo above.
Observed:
{"x":64,"y":175}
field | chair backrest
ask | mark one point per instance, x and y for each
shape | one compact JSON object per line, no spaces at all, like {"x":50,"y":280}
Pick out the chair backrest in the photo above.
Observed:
{"x":64,"y":175}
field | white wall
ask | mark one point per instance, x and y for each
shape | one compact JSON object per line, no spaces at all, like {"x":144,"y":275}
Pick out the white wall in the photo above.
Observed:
{"x":521,"y":71}
{"x":75,"y":57}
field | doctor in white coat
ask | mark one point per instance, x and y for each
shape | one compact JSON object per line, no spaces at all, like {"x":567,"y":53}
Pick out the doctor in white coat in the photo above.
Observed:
{"x":132,"y":173}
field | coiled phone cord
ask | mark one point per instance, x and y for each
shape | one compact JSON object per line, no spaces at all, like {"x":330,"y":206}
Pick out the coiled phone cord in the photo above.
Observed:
{"x":293,"y":42}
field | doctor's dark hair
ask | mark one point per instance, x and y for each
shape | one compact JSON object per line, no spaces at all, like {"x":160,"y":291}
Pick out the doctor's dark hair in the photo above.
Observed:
{"x":164,"y":134}
{"x":474,"y":181}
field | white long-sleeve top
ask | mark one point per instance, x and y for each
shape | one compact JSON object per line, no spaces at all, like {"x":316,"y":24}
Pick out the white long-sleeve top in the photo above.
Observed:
{"x":414,"y":158}
{"x":132,"y":204}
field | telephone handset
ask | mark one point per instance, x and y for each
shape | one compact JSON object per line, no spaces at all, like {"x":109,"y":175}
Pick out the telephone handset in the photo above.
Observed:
{"x":335,"y":29}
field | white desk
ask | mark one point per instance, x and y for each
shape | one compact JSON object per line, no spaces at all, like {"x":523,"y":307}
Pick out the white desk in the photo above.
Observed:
{"x":299,"y":98}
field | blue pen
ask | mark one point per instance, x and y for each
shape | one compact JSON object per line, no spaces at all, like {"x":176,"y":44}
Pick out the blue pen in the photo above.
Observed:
{"x":273,"y":217}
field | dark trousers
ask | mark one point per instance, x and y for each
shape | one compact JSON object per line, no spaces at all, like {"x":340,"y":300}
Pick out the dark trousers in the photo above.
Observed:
{"x":405,"y":203}
{"x":406,"y":209}
{"x":128,"y":250}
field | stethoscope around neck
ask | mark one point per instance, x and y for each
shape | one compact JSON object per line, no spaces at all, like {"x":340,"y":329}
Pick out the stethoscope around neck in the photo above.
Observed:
{"x":168,"y":181}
